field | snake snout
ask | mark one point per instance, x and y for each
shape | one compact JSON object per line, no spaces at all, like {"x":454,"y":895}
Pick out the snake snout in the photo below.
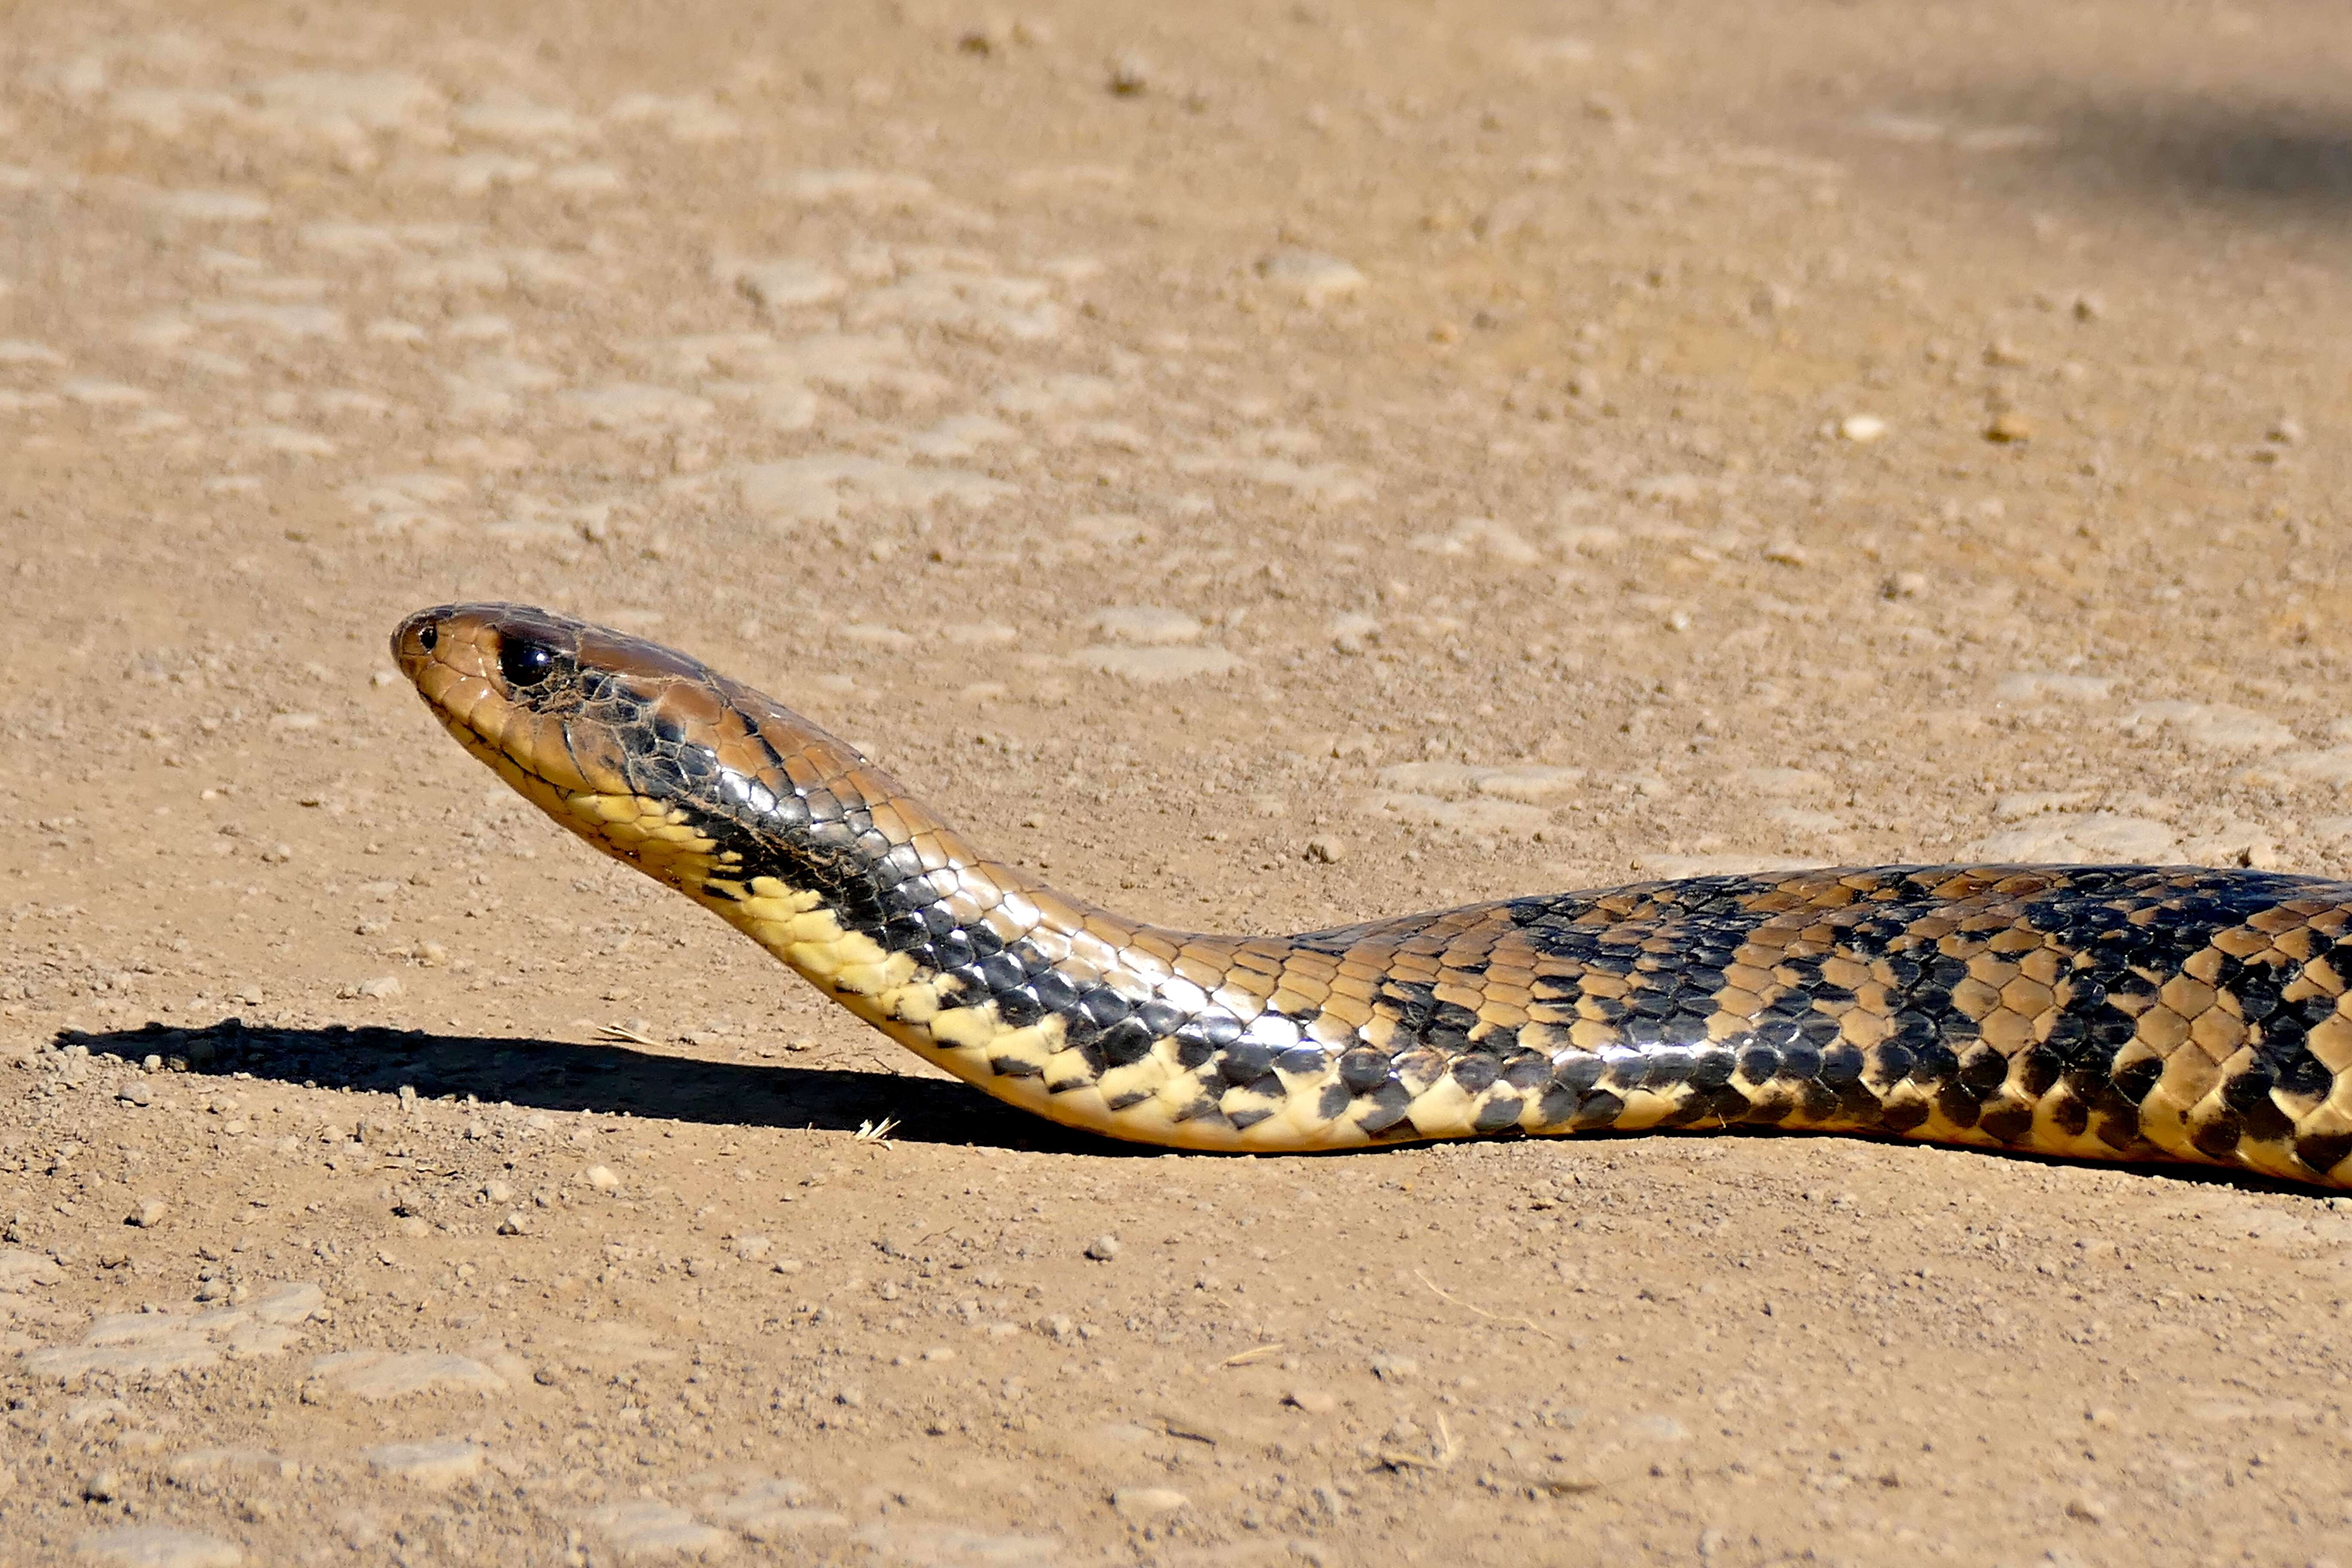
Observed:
{"x":415,"y":638}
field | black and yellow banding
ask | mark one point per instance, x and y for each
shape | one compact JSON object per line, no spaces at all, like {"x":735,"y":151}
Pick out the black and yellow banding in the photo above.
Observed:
{"x":2114,"y":1013}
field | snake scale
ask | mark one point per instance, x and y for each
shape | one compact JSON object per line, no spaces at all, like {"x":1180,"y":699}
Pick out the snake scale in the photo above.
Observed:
{"x":2114,"y":1013}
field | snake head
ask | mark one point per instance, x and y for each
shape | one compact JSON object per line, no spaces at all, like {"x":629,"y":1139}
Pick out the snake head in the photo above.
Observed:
{"x":578,"y":707}
{"x":648,"y":754}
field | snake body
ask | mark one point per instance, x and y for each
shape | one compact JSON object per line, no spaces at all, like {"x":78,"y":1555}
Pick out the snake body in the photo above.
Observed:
{"x":2110,"y":1013}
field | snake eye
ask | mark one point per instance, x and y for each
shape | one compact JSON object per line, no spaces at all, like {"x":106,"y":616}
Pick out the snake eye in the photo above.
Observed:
{"x":428,"y":636}
{"x":522,"y":662}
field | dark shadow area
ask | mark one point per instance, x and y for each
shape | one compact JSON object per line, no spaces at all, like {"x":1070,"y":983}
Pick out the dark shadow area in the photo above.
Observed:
{"x":2276,"y":155}
{"x":556,"y":1075}
{"x":2251,"y":157}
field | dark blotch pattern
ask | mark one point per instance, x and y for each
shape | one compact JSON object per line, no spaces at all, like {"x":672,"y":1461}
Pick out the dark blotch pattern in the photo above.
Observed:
{"x":2013,"y":1005}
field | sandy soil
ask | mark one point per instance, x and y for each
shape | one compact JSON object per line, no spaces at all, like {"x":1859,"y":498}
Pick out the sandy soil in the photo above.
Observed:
{"x":1267,"y":466}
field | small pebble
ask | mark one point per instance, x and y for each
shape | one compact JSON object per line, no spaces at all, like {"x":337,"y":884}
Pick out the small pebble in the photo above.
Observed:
{"x":1103,"y":1248}
{"x":2238,"y":845}
{"x":2082,"y":1505}
{"x":1861,"y":427}
{"x":1312,"y":1401}
{"x":601,"y":1177}
{"x":1131,"y":74}
{"x":148,"y":1215}
{"x":136,"y":1092}
{"x":1316,"y":279}
{"x":1352,"y":630}
{"x":432,"y":1463}
{"x":1326,"y":851}
{"x":2008,"y":429}
{"x":103,"y":1486}
{"x":517,"y":1223}
{"x":785,"y":284}
{"x":1395,"y":1368}
{"x":1149,"y":1502}
{"x":1147,"y":624}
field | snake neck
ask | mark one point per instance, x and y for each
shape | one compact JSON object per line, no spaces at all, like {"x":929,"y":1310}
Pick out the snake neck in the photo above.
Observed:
{"x":792,"y":837}
{"x":864,"y":893}
{"x":795,"y":839}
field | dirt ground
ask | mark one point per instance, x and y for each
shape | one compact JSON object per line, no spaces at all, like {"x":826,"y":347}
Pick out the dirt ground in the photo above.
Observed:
{"x":1265,"y":466}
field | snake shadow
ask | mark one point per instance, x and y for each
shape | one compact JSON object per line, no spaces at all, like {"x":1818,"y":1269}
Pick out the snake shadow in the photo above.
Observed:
{"x":610,"y":1079}
{"x":620,"y":1079}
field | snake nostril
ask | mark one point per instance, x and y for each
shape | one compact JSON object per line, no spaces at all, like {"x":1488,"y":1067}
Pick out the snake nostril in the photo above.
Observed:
{"x":428,"y":636}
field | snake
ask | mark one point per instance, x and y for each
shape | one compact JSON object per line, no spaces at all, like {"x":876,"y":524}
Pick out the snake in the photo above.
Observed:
{"x":2148,"y":1014}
